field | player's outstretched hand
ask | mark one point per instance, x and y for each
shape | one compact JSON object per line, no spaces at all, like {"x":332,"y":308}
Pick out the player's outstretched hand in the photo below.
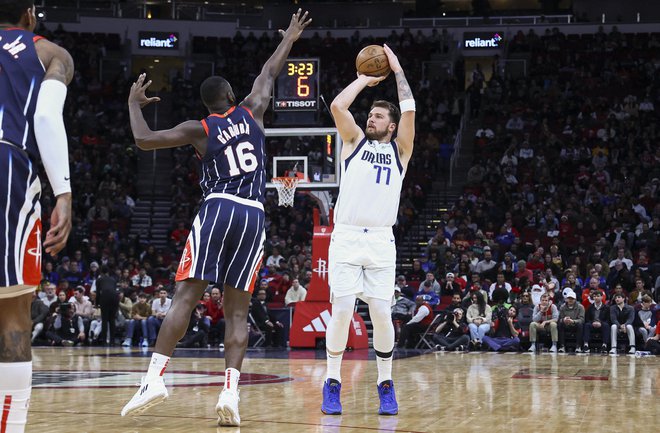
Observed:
{"x":369,"y":80}
{"x":137,"y":94}
{"x":297,"y":25}
{"x":392,"y":59}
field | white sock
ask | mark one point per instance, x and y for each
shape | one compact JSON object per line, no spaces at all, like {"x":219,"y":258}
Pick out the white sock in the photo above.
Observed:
{"x":384,"y":368}
{"x":334,"y":366}
{"x":231,"y":379}
{"x":381,"y":318}
{"x":15,"y":390}
{"x":157,"y":365}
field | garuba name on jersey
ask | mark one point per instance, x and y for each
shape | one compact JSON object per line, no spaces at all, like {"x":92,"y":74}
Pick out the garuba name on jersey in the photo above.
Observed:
{"x":370,"y":186}
{"x":235,"y":157}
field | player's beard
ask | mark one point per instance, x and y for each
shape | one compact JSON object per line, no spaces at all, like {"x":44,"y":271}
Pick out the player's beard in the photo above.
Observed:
{"x":375,"y":134}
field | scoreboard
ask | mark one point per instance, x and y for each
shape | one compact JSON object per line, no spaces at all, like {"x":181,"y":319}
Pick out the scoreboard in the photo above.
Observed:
{"x":297,"y":86}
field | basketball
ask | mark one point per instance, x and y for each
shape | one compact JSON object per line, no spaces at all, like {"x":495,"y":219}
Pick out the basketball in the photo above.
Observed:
{"x":372,"y":60}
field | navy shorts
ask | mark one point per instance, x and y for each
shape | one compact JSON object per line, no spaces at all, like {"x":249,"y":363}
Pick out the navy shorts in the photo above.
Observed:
{"x":226,"y":242}
{"x":20,"y":221}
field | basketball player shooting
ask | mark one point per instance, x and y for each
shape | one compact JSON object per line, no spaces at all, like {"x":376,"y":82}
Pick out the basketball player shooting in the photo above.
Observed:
{"x":362,"y":254}
{"x":227,"y":236}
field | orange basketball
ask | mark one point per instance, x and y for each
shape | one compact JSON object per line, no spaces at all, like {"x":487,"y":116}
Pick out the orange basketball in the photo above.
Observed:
{"x":372,"y":61}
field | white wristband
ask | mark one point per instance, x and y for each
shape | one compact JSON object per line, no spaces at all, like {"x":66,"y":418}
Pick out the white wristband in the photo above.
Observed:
{"x":407,"y":105}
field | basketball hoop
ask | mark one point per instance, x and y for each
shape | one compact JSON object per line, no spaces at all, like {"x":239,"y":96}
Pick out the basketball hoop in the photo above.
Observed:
{"x":286,"y":189}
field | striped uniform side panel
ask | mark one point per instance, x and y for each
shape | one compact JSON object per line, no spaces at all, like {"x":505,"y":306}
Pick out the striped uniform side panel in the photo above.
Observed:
{"x":225,"y":244}
{"x":20,"y":219}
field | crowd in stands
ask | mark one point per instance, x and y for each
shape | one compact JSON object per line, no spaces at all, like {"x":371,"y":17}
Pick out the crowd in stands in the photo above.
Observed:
{"x":560,"y":215}
{"x":69,"y":309}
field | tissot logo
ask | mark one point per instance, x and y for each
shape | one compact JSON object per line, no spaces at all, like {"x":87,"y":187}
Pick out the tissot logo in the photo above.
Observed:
{"x":159,"y":40}
{"x":296,"y":104}
{"x":482,"y":40}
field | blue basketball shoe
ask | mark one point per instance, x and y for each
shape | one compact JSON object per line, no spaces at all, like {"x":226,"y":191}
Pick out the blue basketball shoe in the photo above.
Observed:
{"x":331,"y":398}
{"x":388,"y":404}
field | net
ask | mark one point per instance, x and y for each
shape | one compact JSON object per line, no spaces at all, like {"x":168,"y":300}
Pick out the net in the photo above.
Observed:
{"x":286,"y":189}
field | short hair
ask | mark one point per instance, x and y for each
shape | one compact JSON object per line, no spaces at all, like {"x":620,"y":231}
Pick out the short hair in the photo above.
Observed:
{"x":647,"y":298}
{"x":142,"y":295}
{"x":11,"y":11}
{"x":213,"y":89}
{"x":393,"y":111}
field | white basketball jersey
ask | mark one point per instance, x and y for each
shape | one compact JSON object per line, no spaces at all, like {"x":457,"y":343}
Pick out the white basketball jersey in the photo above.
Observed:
{"x":370,"y":186}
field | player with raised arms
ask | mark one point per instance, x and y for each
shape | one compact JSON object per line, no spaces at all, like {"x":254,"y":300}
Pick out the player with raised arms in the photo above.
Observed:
{"x":362,"y":254}
{"x":226,"y":241}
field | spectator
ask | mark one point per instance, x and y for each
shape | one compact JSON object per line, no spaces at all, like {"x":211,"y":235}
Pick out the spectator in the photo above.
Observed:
{"x":141,"y":281}
{"x":49,"y":296}
{"x":507,"y":330}
{"x":159,"y":308}
{"x":421,"y":320}
{"x":272,"y":328}
{"x":197,"y":332}
{"x":645,"y":319}
{"x":39,"y":313}
{"x":478,"y":319}
{"x":622,"y":316}
{"x":140,"y":313}
{"x":108,"y":300}
{"x":296,"y":293}
{"x":406,"y":290}
{"x":499,"y":284}
{"x":451,"y":333}
{"x":402,"y":311}
{"x":449,"y":287}
{"x":68,"y":328}
{"x":81,"y":306}
{"x":571,"y":317}
{"x":215,"y":316}
{"x":597,"y":319}
{"x":544,"y":319}
{"x":426,"y":290}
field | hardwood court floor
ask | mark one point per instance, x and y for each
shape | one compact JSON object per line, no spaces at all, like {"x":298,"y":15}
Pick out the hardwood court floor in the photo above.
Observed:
{"x":84,"y":389}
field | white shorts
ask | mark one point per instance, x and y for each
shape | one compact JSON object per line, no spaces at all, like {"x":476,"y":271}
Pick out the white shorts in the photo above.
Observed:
{"x":362,"y":262}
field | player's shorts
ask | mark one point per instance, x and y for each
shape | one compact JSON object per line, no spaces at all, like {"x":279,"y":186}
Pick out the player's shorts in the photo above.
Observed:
{"x":20,"y":222}
{"x":226,"y":242}
{"x":362,"y":261}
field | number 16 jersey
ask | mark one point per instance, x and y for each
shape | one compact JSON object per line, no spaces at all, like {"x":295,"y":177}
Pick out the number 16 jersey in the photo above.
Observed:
{"x":370,"y":185}
{"x":235,"y":157}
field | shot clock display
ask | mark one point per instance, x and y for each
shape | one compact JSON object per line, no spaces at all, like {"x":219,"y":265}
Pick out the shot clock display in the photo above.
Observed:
{"x":297,"y":86}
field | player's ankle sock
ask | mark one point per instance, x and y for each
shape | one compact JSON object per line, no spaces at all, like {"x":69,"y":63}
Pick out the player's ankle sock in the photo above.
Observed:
{"x":231,"y":379}
{"x":15,"y":390}
{"x":157,"y":365}
{"x":384,"y":362}
{"x":334,"y":367}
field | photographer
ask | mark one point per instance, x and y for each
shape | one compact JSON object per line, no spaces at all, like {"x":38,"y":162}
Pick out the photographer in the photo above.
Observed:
{"x":197,"y":331}
{"x":68,"y":328}
{"x":451,"y":333}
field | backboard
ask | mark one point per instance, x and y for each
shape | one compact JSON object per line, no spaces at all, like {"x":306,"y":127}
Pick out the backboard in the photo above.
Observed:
{"x":313,"y":154}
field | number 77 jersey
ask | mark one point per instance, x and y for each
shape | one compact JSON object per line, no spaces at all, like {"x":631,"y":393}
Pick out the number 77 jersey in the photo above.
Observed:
{"x":235,"y":157}
{"x":370,"y":186}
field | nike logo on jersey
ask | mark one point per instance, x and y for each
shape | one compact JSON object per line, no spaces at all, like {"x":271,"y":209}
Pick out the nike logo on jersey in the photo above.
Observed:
{"x":378,"y":158}
{"x":232,"y":131}
{"x":67,"y":178}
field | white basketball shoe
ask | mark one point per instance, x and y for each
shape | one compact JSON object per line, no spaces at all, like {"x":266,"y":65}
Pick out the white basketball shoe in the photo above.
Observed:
{"x":152,"y":391}
{"x":227,"y":408}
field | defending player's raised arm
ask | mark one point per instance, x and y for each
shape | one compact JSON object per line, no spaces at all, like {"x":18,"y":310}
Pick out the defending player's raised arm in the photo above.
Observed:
{"x":406,"y":129}
{"x":349,"y":131}
{"x":259,"y":98}
{"x":189,"y":132}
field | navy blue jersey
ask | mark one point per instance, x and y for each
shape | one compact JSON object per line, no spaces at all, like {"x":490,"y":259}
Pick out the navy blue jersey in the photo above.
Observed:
{"x":235,"y":160}
{"x":21,"y":73}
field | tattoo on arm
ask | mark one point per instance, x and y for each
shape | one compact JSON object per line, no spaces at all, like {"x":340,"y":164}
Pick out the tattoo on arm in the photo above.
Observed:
{"x":403,"y":88}
{"x":15,"y":346}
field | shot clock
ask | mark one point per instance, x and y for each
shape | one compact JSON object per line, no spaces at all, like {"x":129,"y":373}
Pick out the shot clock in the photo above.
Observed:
{"x":297,"y":86}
